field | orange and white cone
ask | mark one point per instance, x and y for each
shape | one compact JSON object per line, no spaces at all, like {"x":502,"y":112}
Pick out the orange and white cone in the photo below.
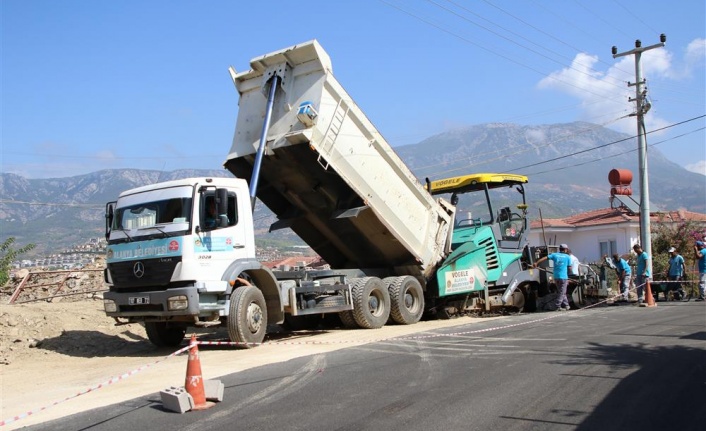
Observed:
{"x":194,"y":380}
{"x":648,"y":294}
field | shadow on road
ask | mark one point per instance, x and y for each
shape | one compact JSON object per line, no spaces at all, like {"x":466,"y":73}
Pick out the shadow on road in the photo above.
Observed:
{"x":668,"y":391}
{"x":91,"y":344}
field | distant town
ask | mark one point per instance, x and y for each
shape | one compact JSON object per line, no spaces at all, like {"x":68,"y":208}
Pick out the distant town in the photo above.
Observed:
{"x":75,"y":257}
{"x":93,"y":251}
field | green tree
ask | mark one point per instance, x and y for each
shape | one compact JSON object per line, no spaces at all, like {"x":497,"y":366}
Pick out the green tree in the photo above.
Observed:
{"x":7,"y":255}
{"x":682,"y":236}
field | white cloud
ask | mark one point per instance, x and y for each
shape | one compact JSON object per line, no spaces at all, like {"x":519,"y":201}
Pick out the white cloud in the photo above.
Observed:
{"x":535,"y":135}
{"x":695,"y":54}
{"x":698,"y":167}
{"x":604,"y":94}
{"x":105,"y":156}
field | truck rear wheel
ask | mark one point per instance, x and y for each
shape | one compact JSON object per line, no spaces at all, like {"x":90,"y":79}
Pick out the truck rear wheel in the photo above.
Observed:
{"x":348,"y":319}
{"x":247,"y":320}
{"x":406,"y":299}
{"x":371,"y":302}
{"x":161,"y":334}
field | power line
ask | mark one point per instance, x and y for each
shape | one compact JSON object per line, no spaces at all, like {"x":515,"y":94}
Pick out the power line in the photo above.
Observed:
{"x":523,"y":38}
{"x":636,"y":17}
{"x":50,"y":204}
{"x":71,"y":156}
{"x":87,"y":206}
{"x":618,"y":29}
{"x":573,"y":25}
{"x":96,"y":206}
{"x":500,"y":157}
{"x":520,"y":149}
{"x":526,"y":66}
{"x":605,"y":145}
{"x":576,"y":27}
{"x":615,"y":155}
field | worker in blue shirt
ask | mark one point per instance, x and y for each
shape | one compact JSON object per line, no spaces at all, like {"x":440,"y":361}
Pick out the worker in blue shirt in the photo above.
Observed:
{"x":562,"y":261}
{"x":624,"y":274}
{"x":675,"y":274}
{"x":643,"y":272}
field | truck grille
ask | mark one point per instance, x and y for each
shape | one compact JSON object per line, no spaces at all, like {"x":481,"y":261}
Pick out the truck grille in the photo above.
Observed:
{"x":154,"y":272}
{"x":141,"y":308}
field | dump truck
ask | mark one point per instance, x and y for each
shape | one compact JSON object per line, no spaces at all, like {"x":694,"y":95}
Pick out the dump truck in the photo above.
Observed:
{"x":182,"y":253}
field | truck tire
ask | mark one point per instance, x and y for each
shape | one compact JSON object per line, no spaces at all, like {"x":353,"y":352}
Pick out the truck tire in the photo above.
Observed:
{"x":247,"y":320}
{"x":371,"y":302}
{"x":348,"y":319}
{"x":161,"y":334}
{"x":406,"y":299}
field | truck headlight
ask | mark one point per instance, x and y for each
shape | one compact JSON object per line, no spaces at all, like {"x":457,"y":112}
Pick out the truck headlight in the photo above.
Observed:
{"x":179,"y":302}
{"x":110,"y":306}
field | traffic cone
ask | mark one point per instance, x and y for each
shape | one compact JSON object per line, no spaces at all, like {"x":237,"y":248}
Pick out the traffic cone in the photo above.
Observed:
{"x":648,"y":294}
{"x":194,"y":380}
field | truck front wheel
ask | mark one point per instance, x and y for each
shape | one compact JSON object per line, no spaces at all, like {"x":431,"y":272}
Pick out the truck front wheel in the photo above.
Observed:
{"x":247,"y":319}
{"x":161,"y":334}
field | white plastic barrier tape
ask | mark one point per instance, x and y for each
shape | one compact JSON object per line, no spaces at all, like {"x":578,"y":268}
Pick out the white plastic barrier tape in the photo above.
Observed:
{"x":92,"y":389}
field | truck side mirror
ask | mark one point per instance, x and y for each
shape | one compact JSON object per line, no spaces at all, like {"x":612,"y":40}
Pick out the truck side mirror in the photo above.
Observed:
{"x":109,"y":215}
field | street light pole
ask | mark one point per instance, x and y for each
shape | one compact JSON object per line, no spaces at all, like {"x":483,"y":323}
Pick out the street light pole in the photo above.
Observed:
{"x":642,"y":105}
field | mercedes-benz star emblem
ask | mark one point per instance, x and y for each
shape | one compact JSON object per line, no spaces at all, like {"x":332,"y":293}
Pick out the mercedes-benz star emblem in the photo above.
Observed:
{"x":138,"y":269}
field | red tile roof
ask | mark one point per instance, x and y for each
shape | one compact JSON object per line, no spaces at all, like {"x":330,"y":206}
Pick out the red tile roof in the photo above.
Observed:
{"x":607,"y":216}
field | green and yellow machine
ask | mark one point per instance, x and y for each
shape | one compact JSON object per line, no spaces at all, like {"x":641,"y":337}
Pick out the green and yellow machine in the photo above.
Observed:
{"x":490,"y":265}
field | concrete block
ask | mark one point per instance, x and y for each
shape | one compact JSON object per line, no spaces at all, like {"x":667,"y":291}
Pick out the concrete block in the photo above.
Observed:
{"x":213,"y":390}
{"x":176,"y":400}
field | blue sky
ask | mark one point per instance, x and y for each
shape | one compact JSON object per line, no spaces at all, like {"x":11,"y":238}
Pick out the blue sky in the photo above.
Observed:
{"x":90,"y":85}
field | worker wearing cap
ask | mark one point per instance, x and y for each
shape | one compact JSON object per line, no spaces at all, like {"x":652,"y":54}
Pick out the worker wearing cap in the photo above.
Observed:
{"x":642,"y":275}
{"x":700,"y":249}
{"x":675,"y":274}
{"x":561,"y":274}
{"x":624,"y":273}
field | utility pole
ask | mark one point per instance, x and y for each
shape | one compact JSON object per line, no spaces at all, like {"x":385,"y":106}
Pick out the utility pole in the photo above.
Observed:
{"x":642,"y":105}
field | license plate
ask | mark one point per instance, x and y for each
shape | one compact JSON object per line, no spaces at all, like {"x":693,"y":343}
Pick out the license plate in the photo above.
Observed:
{"x":138,"y":300}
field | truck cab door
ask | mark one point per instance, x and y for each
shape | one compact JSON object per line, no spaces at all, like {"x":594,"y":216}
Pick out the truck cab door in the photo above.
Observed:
{"x":223,"y":233}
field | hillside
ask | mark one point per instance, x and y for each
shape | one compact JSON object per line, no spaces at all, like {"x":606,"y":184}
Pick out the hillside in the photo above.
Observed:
{"x":55,"y":213}
{"x":566,"y":185}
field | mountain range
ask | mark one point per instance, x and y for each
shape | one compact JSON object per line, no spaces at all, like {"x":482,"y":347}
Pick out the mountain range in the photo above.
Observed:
{"x":568,"y":166}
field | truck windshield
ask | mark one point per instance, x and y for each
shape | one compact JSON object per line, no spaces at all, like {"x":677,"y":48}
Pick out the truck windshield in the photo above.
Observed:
{"x":149,"y":214}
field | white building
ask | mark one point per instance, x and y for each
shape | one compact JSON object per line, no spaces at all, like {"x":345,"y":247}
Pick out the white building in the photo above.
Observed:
{"x":601,"y":232}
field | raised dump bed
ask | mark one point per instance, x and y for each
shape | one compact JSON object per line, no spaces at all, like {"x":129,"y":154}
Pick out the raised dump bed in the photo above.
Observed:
{"x":328,"y":174}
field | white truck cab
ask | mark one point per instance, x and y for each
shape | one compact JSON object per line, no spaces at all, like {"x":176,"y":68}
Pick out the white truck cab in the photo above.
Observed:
{"x":175,"y":251}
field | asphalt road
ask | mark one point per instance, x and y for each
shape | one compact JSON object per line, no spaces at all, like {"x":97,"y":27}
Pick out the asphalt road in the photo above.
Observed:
{"x":608,"y":368}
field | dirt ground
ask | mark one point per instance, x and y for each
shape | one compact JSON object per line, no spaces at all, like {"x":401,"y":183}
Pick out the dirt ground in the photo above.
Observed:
{"x":52,"y":351}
